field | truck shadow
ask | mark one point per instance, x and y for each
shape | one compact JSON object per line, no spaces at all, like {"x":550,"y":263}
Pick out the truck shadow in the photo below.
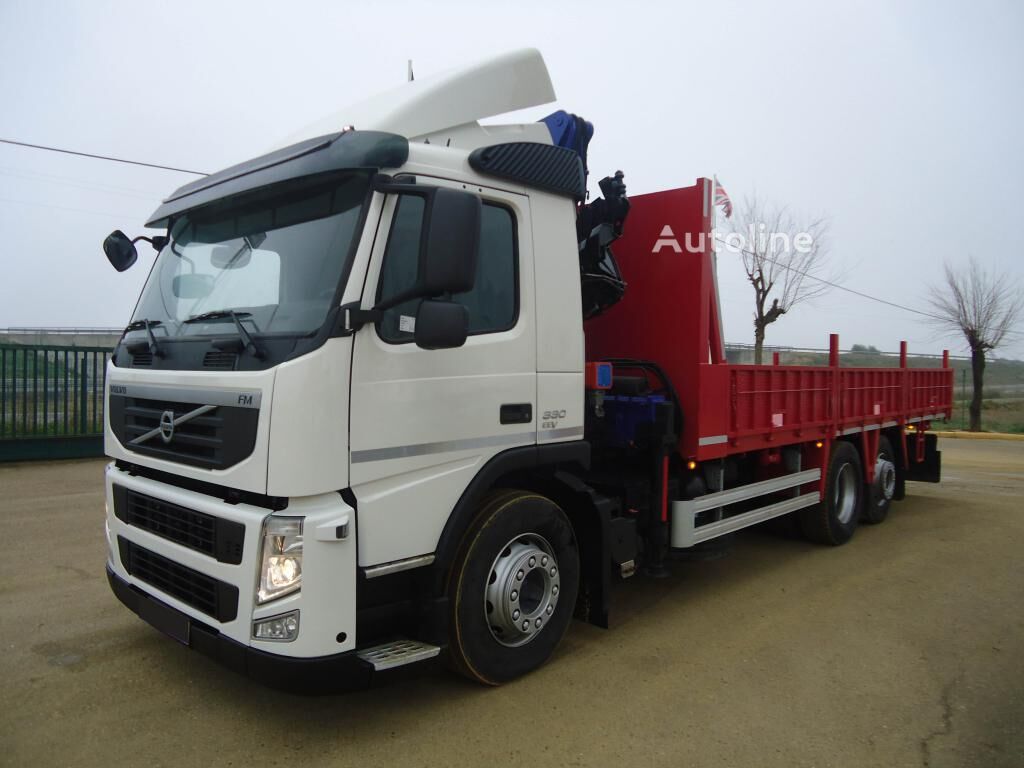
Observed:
{"x":755,"y":555}
{"x":766,"y":568}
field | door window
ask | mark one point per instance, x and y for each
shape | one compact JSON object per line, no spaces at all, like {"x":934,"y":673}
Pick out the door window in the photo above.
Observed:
{"x":493,"y":302}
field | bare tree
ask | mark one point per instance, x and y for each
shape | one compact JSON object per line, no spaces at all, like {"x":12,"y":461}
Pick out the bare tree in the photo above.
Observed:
{"x":782,"y":256}
{"x":982,"y":306}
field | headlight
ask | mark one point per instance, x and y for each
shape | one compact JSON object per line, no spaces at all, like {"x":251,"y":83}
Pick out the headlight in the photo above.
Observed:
{"x":281,"y":569}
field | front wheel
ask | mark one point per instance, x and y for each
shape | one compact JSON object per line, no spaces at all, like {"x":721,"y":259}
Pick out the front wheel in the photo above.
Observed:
{"x":513,"y":587}
{"x":834,"y":520}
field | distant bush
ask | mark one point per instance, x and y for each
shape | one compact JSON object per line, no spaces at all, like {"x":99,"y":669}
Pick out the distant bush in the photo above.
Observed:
{"x":864,"y":348}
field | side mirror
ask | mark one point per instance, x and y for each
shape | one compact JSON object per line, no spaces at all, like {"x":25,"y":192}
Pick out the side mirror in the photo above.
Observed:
{"x":449,"y":243}
{"x":448,"y":255}
{"x":441,"y":325}
{"x":120,"y":250}
{"x":192,"y":286}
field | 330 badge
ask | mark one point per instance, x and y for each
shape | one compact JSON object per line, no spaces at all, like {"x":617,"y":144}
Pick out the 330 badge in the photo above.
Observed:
{"x":549,"y":419}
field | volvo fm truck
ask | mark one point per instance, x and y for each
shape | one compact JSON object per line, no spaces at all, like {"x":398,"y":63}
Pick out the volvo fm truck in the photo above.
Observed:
{"x":388,"y":397}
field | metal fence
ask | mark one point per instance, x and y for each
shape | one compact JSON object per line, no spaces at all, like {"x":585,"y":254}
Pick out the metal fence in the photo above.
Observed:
{"x":51,"y":401}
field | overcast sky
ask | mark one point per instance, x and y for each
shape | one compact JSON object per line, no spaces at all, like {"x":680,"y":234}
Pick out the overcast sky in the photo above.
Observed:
{"x":900,"y":121}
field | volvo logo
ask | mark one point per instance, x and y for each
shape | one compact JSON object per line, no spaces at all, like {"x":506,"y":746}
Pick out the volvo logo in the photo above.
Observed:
{"x":168,"y":423}
{"x":167,"y":426}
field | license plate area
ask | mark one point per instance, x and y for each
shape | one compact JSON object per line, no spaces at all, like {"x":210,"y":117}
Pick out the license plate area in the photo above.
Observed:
{"x":172,"y":623}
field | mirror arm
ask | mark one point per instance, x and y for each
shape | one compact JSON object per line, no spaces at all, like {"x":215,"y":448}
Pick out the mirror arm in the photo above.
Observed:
{"x":157,"y":241}
{"x":351,"y":318}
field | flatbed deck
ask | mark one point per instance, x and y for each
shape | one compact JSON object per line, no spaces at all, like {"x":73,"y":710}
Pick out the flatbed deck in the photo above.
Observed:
{"x":670,"y":315}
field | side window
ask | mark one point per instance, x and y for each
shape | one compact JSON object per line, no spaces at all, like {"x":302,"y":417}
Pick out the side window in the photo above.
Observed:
{"x":399,"y":270}
{"x":493,"y":302}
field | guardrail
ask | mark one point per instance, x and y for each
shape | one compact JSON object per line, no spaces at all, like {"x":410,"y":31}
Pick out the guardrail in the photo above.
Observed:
{"x":51,"y":401}
{"x":76,"y":331}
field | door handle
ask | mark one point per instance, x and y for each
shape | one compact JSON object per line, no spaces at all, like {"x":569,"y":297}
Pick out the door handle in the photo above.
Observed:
{"x":517,"y":413}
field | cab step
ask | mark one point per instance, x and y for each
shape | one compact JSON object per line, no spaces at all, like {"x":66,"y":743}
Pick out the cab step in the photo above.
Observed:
{"x":398,"y":653}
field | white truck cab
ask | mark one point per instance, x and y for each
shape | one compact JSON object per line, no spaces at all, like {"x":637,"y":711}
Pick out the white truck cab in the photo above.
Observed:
{"x":342,"y":349}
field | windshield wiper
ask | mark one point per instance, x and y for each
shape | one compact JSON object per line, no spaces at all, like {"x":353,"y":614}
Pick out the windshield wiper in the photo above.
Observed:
{"x":245,"y":341}
{"x":151,"y":345}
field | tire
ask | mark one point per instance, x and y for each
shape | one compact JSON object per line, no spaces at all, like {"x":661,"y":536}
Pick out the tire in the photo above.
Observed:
{"x":834,"y":520}
{"x":520,"y":542}
{"x":878,"y":495}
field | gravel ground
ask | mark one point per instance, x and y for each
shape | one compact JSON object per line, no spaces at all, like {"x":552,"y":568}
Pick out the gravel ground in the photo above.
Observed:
{"x":903,"y":648}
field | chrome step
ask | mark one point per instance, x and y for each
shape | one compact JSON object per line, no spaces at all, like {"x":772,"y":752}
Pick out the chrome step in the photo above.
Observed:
{"x":397,"y":653}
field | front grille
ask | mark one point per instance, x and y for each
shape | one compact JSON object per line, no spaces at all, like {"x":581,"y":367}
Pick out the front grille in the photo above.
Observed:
{"x":204,"y":593}
{"x":216,"y":438}
{"x":213,"y":536}
{"x":142,"y":359}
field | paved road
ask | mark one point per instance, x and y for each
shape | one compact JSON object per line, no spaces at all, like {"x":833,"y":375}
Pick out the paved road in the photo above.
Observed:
{"x":903,"y":648}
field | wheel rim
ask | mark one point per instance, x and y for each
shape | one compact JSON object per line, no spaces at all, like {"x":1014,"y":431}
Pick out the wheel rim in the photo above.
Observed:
{"x":885,"y":479}
{"x":844,"y":494}
{"x":522,"y":590}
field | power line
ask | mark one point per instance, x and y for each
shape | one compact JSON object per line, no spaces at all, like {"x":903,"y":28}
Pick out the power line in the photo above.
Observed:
{"x":200,"y":173}
{"x":1010,"y":333}
{"x":837,"y":285}
{"x":101,"y":157}
{"x":105,"y":214}
{"x":53,"y":179}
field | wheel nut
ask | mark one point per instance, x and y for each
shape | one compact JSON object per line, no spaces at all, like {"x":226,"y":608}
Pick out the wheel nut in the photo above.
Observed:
{"x":543,"y":561}
{"x":519,"y":576}
{"x":549,"y":610}
{"x":533,"y":561}
{"x":537,"y":624}
{"x":526,"y":626}
{"x":554,"y":590}
{"x":552,"y":571}
{"x":514,"y":595}
{"x":515,"y":615}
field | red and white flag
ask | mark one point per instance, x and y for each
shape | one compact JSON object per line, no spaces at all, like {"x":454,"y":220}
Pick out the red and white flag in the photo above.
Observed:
{"x":722,"y":198}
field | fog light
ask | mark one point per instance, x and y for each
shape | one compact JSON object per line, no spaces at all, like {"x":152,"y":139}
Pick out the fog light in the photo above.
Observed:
{"x":282,"y":629}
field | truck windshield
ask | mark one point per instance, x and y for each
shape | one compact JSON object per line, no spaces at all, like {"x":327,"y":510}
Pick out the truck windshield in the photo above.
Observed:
{"x":274,"y":258}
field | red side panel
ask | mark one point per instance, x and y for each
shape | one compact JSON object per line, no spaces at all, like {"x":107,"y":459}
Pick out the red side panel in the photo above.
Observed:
{"x":667,"y":313}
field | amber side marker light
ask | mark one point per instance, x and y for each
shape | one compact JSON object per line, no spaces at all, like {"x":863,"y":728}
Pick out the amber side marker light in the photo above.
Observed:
{"x":691,"y":464}
{"x":818,"y":444}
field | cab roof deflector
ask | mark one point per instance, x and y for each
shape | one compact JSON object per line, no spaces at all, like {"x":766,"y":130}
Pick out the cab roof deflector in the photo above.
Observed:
{"x":505,"y":83}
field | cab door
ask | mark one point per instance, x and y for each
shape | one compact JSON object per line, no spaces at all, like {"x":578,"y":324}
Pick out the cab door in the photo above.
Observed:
{"x":423,"y":422}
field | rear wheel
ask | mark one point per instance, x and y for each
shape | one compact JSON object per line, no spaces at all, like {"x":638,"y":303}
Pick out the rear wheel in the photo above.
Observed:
{"x":834,"y":520}
{"x":513,"y":587}
{"x":879,"y":494}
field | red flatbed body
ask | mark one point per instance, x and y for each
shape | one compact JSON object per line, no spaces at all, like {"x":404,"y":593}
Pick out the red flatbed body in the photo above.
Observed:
{"x":670,"y":315}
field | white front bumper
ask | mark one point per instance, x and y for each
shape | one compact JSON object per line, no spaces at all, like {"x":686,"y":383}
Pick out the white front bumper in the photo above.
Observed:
{"x":326,"y":601}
